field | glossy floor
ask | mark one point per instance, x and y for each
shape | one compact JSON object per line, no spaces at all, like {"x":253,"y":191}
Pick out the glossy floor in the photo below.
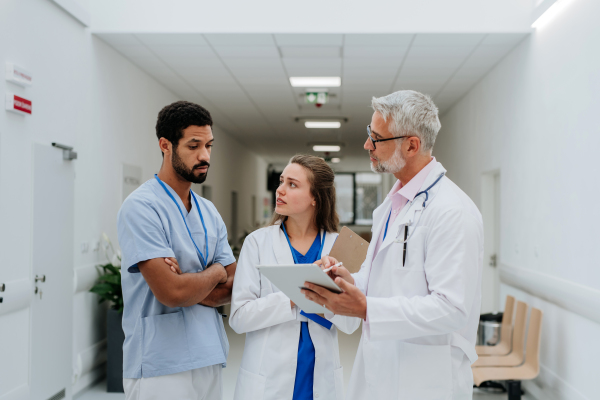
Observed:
{"x":348,"y":346}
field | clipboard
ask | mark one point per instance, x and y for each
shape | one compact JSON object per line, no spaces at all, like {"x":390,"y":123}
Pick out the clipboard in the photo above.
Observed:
{"x":350,"y":249}
{"x":290,"y":280}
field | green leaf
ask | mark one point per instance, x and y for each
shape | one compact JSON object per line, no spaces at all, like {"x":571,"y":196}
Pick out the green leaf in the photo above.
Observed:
{"x":102,"y":288}
{"x":114,"y":279}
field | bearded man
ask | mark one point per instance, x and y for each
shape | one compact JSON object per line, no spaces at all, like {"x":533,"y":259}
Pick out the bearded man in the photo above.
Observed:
{"x":419,"y":289}
{"x":177,"y":267}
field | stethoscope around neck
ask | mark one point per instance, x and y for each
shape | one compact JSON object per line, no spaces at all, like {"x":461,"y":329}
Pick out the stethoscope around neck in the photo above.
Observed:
{"x":425,"y":193}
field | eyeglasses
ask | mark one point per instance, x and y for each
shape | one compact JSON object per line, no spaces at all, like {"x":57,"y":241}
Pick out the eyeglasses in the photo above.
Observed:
{"x":382,"y":140}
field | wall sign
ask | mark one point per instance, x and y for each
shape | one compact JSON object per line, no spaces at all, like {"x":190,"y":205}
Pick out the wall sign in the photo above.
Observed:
{"x":18,"y":104}
{"x":18,"y":75}
{"x":132,"y":179}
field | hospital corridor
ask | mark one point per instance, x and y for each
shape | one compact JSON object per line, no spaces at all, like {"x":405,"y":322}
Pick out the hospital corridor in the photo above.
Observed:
{"x":315,"y":200}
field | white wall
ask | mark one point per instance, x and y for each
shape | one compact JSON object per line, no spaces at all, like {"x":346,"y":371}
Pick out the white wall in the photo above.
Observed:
{"x":86,"y":95}
{"x":534,"y":118}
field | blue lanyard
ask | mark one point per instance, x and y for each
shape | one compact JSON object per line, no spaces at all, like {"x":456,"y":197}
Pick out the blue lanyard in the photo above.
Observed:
{"x":313,"y":317}
{"x":386,"y":225}
{"x":203,"y":258}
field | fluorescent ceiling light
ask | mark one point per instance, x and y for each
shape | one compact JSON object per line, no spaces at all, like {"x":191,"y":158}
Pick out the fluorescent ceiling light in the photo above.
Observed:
{"x":323,"y":124}
{"x":316,"y":81}
{"x":335,"y":160}
{"x":550,"y":13}
{"x":326,"y":148}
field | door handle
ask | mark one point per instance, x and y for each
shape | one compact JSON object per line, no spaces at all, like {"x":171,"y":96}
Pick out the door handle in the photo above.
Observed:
{"x":40,"y":278}
{"x":2,"y":287}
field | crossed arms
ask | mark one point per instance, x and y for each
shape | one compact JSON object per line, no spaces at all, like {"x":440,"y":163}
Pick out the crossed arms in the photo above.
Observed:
{"x":211,"y":287}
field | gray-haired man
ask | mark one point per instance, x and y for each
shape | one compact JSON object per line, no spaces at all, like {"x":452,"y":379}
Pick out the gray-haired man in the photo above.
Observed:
{"x":419,"y":289}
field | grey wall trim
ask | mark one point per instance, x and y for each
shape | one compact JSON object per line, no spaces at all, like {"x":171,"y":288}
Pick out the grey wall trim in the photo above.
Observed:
{"x":573,"y":297}
{"x":84,"y":278}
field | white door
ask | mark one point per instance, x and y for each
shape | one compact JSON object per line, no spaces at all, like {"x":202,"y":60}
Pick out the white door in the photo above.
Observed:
{"x":490,"y":211}
{"x":52,"y":264}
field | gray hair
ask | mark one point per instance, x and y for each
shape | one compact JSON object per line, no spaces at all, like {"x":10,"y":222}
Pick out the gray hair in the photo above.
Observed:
{"x":410,"y":113}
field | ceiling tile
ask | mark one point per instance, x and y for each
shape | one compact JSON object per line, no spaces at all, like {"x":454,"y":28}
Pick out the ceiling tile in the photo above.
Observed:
{"x":510,"y":39}
{"x":448,"y":39}
{"x":311,"y":51}
{"x":380,"y":52}
{"x":183,"y":51}
{"x":240,"y":39}
{"x":309,"y":39}
{"x":252,"y":62}
{"x":318,"y":62}
{"x":172,"y":39}
{"x":376,"y":39}
{"x":379,"y":70}
{"x":247,"y":51}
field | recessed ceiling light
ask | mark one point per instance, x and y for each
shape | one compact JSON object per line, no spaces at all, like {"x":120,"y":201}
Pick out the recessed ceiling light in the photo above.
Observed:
{"x":335,"y":160}
{"x":316,"y":81}
{"x":323,"y":124}
{"x":326,"y":148}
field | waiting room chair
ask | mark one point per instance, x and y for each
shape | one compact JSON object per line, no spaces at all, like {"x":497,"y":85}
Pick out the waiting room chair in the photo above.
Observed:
{"x":516,"y":356}
{"x":514,"y":375}
{"x":505,"y":345}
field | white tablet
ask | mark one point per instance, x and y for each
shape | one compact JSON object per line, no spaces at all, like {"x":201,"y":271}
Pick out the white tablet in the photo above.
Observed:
{"x":290,"y":280}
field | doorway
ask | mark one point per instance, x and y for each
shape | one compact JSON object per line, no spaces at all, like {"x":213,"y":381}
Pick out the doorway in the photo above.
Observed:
{"x":490,"y":211}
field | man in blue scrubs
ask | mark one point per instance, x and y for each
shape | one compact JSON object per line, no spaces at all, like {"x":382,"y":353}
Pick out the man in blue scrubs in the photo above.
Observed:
{"x":175,"y":343}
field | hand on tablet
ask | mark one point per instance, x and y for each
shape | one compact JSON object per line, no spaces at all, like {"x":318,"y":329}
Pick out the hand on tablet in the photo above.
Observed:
{"x":335,"y":272}
{"x":351,"y":302}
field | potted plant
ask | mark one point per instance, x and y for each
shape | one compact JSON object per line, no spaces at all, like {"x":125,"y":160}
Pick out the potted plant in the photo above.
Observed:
{"x":108,"y":287}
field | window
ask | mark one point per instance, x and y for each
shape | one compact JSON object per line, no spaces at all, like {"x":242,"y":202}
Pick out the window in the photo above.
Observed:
{"x":358,"y":194}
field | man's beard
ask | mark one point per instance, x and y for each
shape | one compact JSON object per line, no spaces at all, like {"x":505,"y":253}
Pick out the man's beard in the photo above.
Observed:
{"x":184,"y":172}
{"x":391,"y":166}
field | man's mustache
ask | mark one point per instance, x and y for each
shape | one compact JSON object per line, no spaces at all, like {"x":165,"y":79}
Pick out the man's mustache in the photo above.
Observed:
{"x":202,"y":164}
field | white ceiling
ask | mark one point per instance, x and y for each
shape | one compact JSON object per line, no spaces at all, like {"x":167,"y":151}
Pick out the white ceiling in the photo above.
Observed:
{"x":243,"y":79}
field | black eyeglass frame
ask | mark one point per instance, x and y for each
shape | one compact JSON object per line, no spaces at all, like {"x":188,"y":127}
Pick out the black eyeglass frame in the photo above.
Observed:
{"x":373,"y":141}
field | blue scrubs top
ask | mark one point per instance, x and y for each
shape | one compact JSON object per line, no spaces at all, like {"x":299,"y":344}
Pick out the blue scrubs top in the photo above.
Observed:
{"x":305,"y":369}
{"x":161,"y":340}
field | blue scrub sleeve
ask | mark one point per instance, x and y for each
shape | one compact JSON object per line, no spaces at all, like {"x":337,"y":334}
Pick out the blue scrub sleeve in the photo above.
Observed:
{"x":141,"y":234}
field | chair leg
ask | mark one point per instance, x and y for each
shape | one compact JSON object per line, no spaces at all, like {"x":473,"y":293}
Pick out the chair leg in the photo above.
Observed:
{"x":514,"y":390}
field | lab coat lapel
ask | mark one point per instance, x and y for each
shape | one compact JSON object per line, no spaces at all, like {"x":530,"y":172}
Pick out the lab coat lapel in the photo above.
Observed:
{"x":379,"y":219}
{"x":410,"y":210}
{"x":329,"y":241}
{"x":282,"y":250}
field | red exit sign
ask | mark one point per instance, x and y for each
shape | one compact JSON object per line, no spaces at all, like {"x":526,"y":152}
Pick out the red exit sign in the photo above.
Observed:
{"x":18,"y":104}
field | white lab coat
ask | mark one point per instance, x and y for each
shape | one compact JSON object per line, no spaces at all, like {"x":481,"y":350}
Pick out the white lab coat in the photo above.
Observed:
{"x":272,"y":327}
{"x":418,"y":340}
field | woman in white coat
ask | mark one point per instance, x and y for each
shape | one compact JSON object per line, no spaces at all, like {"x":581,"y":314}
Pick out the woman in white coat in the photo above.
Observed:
{"x":289,"y":355}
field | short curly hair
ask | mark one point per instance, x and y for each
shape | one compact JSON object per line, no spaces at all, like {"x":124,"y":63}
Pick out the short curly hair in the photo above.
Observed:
{"x":176,"y":117}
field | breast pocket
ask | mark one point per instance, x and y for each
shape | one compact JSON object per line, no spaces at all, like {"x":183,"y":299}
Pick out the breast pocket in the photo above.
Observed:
{"x":409,"y":273}
{"x":415,"y":248}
